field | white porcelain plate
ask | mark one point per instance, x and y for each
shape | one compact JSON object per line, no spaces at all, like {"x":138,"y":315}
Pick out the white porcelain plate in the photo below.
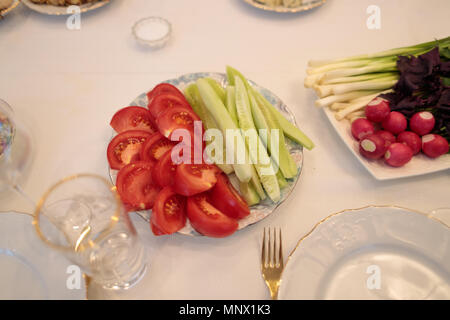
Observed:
{"x":62,"y":10}
{"x":419,"y":164}
{"x":371,"y":253}
{"x":29,"y":270}
{"x":264,"y":208}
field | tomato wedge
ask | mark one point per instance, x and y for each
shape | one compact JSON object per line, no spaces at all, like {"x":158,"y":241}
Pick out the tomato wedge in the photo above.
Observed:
{"x":155,"y":229}
{"x":207,"y":219}
{"x":166,"y":101}
{"x":226,"y":198}
{"x":164,"y":170}
{"x":125,"y":148}
{"x":192,"y":179}
{"x":133,"y":118}
{"x":155,"y":147}
{"x":135,"y":185}
{"x":163,"y":88}
{"x":177,"y":118}
{"x":169,"y":211}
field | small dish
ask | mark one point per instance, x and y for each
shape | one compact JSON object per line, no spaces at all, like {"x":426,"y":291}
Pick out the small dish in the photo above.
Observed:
{"x":153,"y":32}
{"x":376,"y":252}
{"x":419,"y":164}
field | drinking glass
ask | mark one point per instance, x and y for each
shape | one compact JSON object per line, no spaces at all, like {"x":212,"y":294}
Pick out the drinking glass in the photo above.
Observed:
{"x":15,"y":149}
{"x":82,"y":216}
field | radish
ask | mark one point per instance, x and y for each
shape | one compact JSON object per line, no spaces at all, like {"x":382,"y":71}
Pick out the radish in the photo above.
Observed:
{"x":388,"y":137}
{"x":398,"y":154}
{"x":411,"y":139}
{"x":372,"y":146}
{"x":377,"y":110}
{"x":422,"y":123}
{"x":434,"y":145}
{"x":362,"y":127}
{"x":395,"y":122}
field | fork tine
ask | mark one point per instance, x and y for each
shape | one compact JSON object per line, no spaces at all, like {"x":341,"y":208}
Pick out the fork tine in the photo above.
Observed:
{"x":263,"y":250}
{"x":270,"y":254}
{"x":280,"y":253}
{"x":274,"y":258}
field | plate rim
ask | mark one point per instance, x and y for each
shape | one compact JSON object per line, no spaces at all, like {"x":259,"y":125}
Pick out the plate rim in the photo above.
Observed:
{"x":280,"y":9}
{"x":344,"y":211}
{"x":294,"y":121}
{"x":5,"y":11}
{"x":87,"y":7}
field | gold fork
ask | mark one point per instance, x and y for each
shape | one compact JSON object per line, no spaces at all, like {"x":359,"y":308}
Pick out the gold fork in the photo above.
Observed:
{"x":272,"y":262}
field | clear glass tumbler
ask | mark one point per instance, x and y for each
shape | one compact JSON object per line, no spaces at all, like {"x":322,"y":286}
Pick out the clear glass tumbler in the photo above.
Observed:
{"x":15,"y":148}
{"x":83,"y":217}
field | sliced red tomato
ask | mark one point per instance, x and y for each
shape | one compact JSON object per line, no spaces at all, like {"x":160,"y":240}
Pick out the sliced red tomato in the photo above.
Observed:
{"x":155,"y":147}
{"x":155,"y":230}
{"x":177,"y":118}
{"x":166,"y":101}
{"x":163,"y":88}
{"x":164,"y":170}
{"x":125,"y":148}
{"x":191,"y":179}
{"x":135,"y":185}
{"x":133,"y":118}
{"x":169,"y":211}
{"x":226,"y":198}
{"x":207,"y":219}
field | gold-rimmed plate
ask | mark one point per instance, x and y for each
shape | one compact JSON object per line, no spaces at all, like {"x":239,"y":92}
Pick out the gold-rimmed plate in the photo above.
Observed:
{"x":63,"y":10}
{"x":5,"y":11}
{"x":29,"y":270}
{"x":264,"y":208}
{"x":376,"y":252}
{"x":304,"y":6}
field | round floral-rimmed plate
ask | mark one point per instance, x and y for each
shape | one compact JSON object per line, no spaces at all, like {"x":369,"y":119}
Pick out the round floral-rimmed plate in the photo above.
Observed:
{"x":304,"y":6}
{"x":264,"y":208}
{"x":62,"y":10}
{"x":5,"y":11}
{"x":29,"y":269}
{"x":376,"y":252}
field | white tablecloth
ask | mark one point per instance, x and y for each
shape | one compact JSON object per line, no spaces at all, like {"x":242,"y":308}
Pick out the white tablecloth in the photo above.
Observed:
{"x":68,"y":84}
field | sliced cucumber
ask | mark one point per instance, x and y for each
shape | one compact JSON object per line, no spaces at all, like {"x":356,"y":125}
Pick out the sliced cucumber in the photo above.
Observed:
{"x":217,"y":88}
{"x":192,"y":94}
{"x":264,"y":120}
{"x":220,"y":114}
{"x":257,"y":150}
{"x":230,"y":103}
{"x":281,"y":180}
{"x":289,"y":129}
{"x":249,"y":193}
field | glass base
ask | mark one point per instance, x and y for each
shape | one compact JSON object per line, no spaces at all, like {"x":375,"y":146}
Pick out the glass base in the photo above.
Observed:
{"x":125,"y":285}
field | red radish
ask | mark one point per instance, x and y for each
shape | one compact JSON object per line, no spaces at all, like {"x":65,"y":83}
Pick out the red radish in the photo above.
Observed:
{"x":388,"y":137}
{"x":398,"y":154}
{"x":434,"y":145}
{"x":377,"y":110}
{"x":372,"y":146}
{"x":362,"y":127}
{"x":422,"y":123}
{"x":411,"y":139}
{"x":395,"y":122}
